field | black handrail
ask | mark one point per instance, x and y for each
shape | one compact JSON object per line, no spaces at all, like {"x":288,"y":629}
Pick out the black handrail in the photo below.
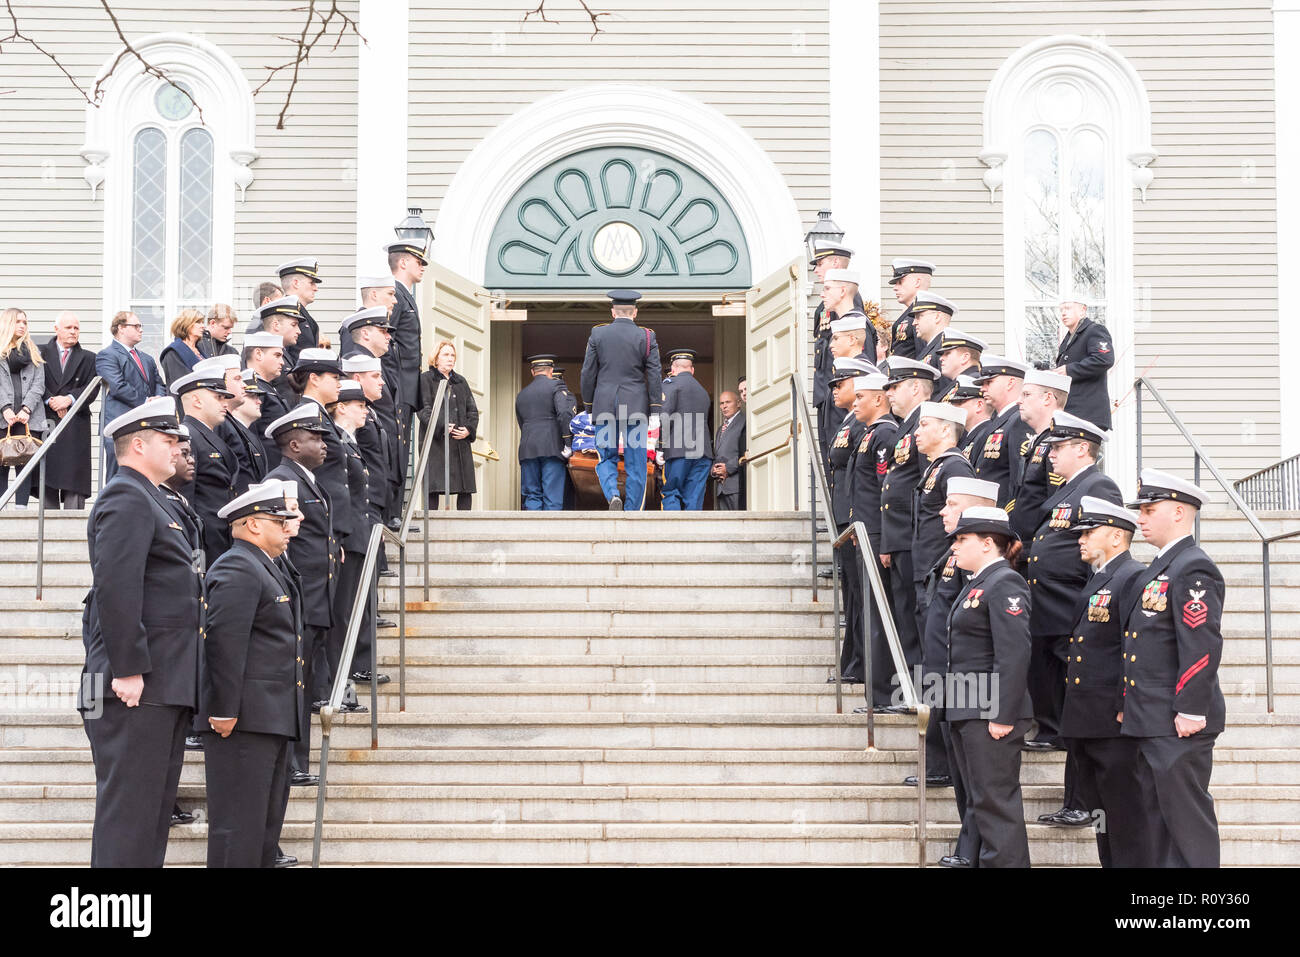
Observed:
{"x":1276,"y":486}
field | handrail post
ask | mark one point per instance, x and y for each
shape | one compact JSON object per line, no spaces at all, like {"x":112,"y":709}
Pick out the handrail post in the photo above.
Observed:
{"x":922,"y":726}
{"x":446,"y":456}
{"x":326,"y":717}
{"x":1268,"y":633}
{"x":401,"y":627}
{"x":1137,"y":413}
{"x":812,"y":519}
{"x":372,"y":601}
{"x":835,"y":605}
{"x":40,"y":534}
{"x":794,"y":441}
{"x":866,"y":655}
{"x":1196,"y":480}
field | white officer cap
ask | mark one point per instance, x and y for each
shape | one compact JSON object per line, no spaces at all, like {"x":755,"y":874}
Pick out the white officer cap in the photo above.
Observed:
{"x":306,"y":416}
{"x":183,"y":432}
{"x":317,"y":360}
{"x":260,"y":501}
{"x":961,"y":485}
{"x":902,"y":369}
{"x":361,"y":363}
{"x":284,"y":306}
{"x":263,"y":340}
{"x":993,"y":365}
{"x":1048,"y":380}
{"x":853,"y":322}
{"x":830,"y":247}
{"x":214,"y":380}
{"x":875,"y":382}
{"x":902,"y":267}
{"x":1157,"y":486}
{"x":157,"y":415}
{"x":306,"y":266}
{"x":290,"y":488}
{"x":218,"y":365}
{"x":985,"y":520}
{"x":956,"y":339}
{"x":350,"y":391}
{"x":375,"y":282}
{"x":945,"y":411}
{"x":1097,"y":512}
{"x":933,"y":302}
{"x":843,"y":275}
{"x":371,"y":316}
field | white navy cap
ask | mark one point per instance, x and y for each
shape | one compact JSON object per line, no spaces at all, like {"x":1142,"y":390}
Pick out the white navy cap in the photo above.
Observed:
{"x":875,"y":382}
{"x":850,"y":322}
{"x":945,"y":411}
{"x":1096,"y":512}
{"x":956,"y":339}
{"x":284,"y":306}
{"x":300,"y":267}
{"x":218,"y":365}
{"x":360,"y":363}
{"x":903,"y":267}
{"x":1066,"y":427}
{"x":156,"y":415}
{"x":350,"y":391}
{"x":317,"y":360}
{"x":259,"y":500}
{"x":933,"y":302}
{"x":901,"y":369}
{"x":992,"y":366}
{"x":985,"y":520}
{"x":183,"y":433}
{"x":213,"y":380}
{"x":980,"y":488}
{"x":1157,"y":486}
{"x":289,"y":487}
{"x":306,"y":416}
{"x":375,"y":282}
{"x":1048,"y":380}
{"x":372,"y":316}
{"x":843,"y":275}
{"x":830,"y":247}
{"x":263,"y":340}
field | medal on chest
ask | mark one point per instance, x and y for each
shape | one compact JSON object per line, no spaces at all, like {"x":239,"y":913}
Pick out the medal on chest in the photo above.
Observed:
{"x":973,"y":598}
{"x":841,"y":438}
{"x":929,"y":483}
{"x":993,"y":446}
{"x":949,"y":568}
{"x":1155,"y":596}
{"x":1040,"y":450}
{"x":903,"y":449}
{"x":866,"y":440}
{"x":1099,"y":606}
{"x":1060,"y":517}
{"x":901,"y":334}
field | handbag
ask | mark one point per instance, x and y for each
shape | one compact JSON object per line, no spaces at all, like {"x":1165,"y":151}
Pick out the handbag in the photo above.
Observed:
{"x":17,"y":450}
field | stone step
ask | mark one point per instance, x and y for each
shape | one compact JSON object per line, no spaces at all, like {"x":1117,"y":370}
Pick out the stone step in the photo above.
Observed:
{"x":789,"y":844}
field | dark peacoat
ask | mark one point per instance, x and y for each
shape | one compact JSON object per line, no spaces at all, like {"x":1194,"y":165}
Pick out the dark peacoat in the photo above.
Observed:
{"x":460,"y":410}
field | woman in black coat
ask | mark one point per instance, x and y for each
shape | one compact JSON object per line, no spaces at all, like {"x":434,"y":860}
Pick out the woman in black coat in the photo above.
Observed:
{"x":462,"y":415}
{"x":179,"y":356}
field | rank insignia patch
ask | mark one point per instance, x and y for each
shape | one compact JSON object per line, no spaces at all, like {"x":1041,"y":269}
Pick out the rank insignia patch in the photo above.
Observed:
{"x":1013,"y":605}
{"x":1195,"y":611}
{"x":882,"y":462}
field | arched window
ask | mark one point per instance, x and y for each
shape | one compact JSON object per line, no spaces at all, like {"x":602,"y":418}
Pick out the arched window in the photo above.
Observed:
{"x":1067,"y":131}
{"x":173,"y":160}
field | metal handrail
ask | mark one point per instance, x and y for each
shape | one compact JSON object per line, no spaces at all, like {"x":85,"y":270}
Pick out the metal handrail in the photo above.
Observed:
{"x":867,"y":556}
{"x":419,"y":492}
{"x":1275,"y":486}
{"x":367,"y":598}
{"x":87,"y":396}
{"x":1198,"y":456}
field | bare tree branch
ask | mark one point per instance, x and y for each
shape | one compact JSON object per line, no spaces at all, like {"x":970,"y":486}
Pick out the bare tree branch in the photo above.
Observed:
{"x":540,"y":13}
{"x":17,"y":34}
{"x":305,"y":43}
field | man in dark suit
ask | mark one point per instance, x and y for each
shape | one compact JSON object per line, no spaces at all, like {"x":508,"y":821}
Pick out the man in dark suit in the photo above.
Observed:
{"x":1086,"y":354}
{"x":1172,"y":701}
{"x":729,"y":447}
{"x":407,"y":262}
{"x":685,"y":442}
{"x":910,"y":277}
{"x":139,"y":685}
{"x":68,"y":371}
{"x":252,"y":683}
{"x":543,"y":410}
{"x":216,"y":468}
{"x":997,"y":459}
{"x":301,"y":278}
{"x":622,"y":388}
{"x":130,"y":377}
{"x":313,"y":552}
{"x":1105,"y":762}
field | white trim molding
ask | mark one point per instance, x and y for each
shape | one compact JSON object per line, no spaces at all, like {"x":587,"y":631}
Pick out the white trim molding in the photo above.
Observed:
{"x":617,"y":115}
{"x":382,"y":87}
{"x":1286,"y":79}
{"x":855,"y":132}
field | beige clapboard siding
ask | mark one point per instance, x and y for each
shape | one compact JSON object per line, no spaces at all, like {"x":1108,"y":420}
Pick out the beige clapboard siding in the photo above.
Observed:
{"x":1205,"y":241}
{"x":302,"y":200}
{"x":763,"y":64}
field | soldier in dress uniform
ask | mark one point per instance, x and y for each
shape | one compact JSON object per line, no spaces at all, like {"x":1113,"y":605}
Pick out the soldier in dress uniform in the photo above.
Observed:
{"x":141,"y":630}
{"x":264,"y":353}
{"x":301,"y":278}
{"x":252,"y":683}
{"x":570,"y":492}
{"x":281,"y":317}
{"x":216,"y":467}
{"x":243,"y":419}
{"x":1042,"y":396}
{"x":248,"y":452}
{"x":938,"y":434}
{"x":406,"y":261}
{"x":622,"y":388}
{"x":1172,"y":701}
{"x":840,"y":303}
{"x":827,"y":255}
{"x":1105,"y":762}
{"x":910,"y":277}
{"x":866,"y":477}
{"x":1085,"y":355}
{"x":988,"y":652}
{"x":969,"y":397}
{"x":959,"y":355}
{"x":910,"y":384}
{"x":314,"y":552}
{"x":368,"y":333}
{"x":686,"y":445}
{"x":997,"y":459}
{"x":931,"y":316}
{"x":944,"y":585}
{"x":543,"y":410}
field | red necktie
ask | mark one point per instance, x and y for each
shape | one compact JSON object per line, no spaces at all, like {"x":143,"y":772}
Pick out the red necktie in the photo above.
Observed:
{"x":63,"y":359}
{"x":139,"y":364}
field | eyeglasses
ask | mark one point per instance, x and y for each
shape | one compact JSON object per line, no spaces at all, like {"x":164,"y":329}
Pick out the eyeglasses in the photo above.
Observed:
{"x":132,"y":325}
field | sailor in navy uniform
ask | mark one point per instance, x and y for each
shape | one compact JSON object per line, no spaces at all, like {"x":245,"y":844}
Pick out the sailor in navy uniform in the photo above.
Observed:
{"x":910,"y":277}
{"x":281,"y":318}
{"x":1086,"y":354}
{"x":379,"y":444}
{"x":249,"y":457}
{"x":944,"y":585}
{"x":216,"y":466}
{"x":1105,"y":761}
{"x":827,"y":255}
{"x":849,"y":337}
{"x":910,"y":384}
{"x":969,"y":397}
{"x":686,"y":445}
{"x":252,"y":683}
{"x":959,"y":355}
{"x":407,"y":261}
{"x":264,"y":353}
{"x":1173,"y":641}
{"x":931,"y":316}
{"x":543,"y":410}
{"x":1042,"y":397}
{"x":622,"y":387}
{"x":141,"y":630}
{"x":314,"y":552}
{"x":243,"y":419}
{"x":301,"y":278}
{"x":866,"y":477}
{"x":988,"y":651}
{"x":997,"y":459}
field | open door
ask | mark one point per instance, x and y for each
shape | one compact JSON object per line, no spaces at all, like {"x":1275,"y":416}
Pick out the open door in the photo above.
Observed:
{"x":773,"y":310}
{"x":455,"y":309}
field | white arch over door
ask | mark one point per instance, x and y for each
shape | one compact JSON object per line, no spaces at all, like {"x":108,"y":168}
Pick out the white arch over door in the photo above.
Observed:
{"x":613,"y":115}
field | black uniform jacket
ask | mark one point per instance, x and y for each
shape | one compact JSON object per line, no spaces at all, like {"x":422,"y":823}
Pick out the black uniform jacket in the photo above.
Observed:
{"x":1093,"y":669}
{"x":1037,"y":484}
{"x":902,"y":339}
{"x":543,"y":410}
{"x":249,"y":452}
{"x":1087,"y":355}
{"x":684,"y":419}
{"x":906,"y":463}
{"x":253,"y":650}
{"x":405,"y":353}
{"x":974,"y":440}
{"x":843,"y":446}
{"x":997,"y":460}
{"x":1172,"y":644}
{"x":142,"y":612}
{"x":1056,"y":571}
{"x":216,"y":472}
{"x":867,"y":473}
{"x":929,"y":540}
{"x":350,"y":525}
{"x":823,"y":362}
{"x":314,"y":551}
{"x":273,"y":407}
{"x":988,"y":649}
{"x":374,"y":445}
{"x":358,"y":536}
{"x":620,"y":372}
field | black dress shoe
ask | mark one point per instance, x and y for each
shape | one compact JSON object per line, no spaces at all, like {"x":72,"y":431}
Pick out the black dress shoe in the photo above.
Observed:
{"x":386,"y":573}
{"x":317,"y":705}
{"x":285,"y":860}
{"x":826,"y":573}
{"x":352,"y":707}
{"x":616,"y":504}
{"x":862,"y":709}
{"x":385,"y":623}
{"x":931,"y":780}
{"x":193,"y":742}
{"x":302,"y":779}
{"x":1066,"y":817}
{"x":896,"y":709}
{"x":1045,"y":745}
{"x":181,"y":817}
{"x":845,"y":679}
{"x":954,"y":860}
{"x":395,"y":524}
{"x":365,"y":677}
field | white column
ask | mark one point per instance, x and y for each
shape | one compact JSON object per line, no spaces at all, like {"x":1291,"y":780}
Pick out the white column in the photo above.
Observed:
{"x":855,"y":133}
{"x":381,"y":129}
{"x":1286,"y":79}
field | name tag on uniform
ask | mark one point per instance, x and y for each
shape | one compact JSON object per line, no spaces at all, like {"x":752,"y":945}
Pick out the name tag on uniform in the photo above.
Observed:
{"x":281,"y":598}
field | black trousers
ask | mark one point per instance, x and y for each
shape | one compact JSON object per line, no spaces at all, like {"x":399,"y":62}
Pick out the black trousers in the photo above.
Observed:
{"x":1174,"y":777}
{"x":904,"y":592}
{"x":727,"y":501}
{"x":62,"y":498}
{"x":1047,"y":683}
{"x":882,"y":662}
{"x":991,"y":772}
{"x":464,"y":501}
{"x":968,"y":838}
{"x":934,"y":661}
{"x":138,"y":754}
{"x":1106,"y":786}
{"x":314,"y":639}
{"x":248,"y":791}
{"x":344,"y":595}
{"x":850,"y":565}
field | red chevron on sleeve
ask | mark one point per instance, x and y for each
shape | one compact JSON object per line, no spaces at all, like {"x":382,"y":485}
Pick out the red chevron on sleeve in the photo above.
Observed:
{"x":1191,"y":672}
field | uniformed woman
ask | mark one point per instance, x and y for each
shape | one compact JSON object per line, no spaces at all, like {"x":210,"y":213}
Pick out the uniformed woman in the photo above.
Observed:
{"x":986,"y":689}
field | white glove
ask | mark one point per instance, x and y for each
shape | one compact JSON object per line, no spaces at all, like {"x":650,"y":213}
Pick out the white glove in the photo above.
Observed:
{"x":566,"y":453}
{"x":653,"y":425}
{"x":659,"y":459}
